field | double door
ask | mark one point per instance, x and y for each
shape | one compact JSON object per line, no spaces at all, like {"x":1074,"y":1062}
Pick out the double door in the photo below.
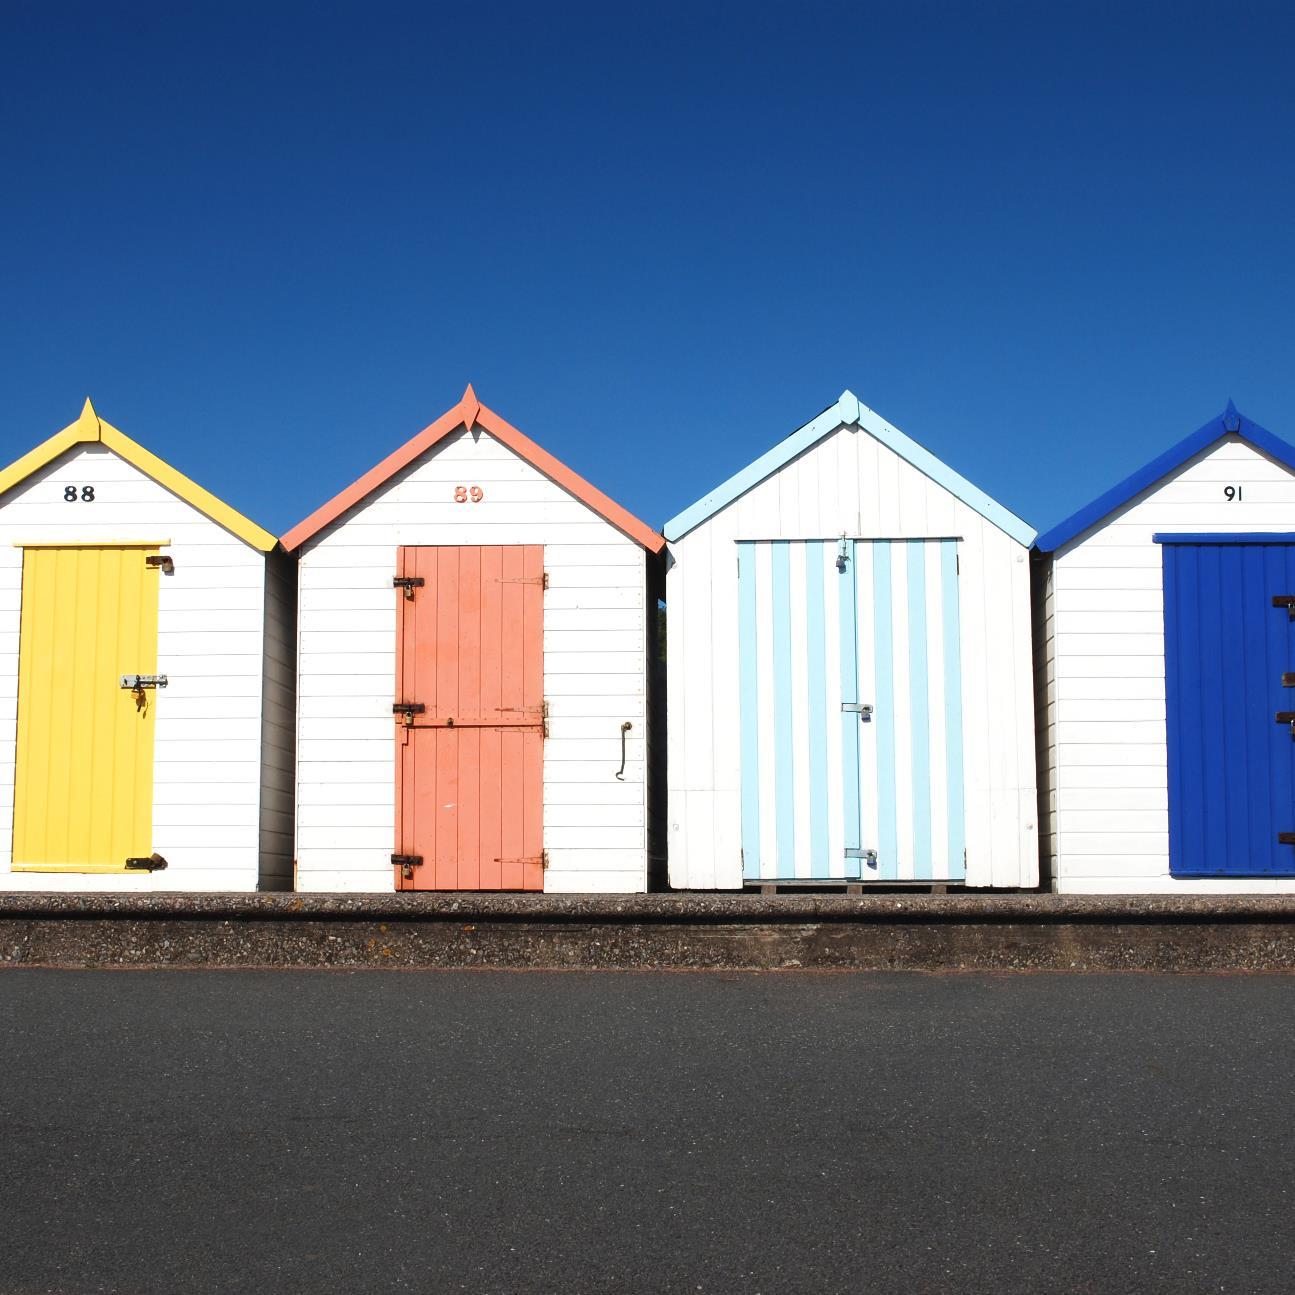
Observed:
{"x":851,"y":710}
{"x":469,"y":718}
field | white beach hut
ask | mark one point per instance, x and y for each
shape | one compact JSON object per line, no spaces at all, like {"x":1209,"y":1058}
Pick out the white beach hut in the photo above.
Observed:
{"x":477,"y":645}
{"x":1165,"y":652}
{"x":849,"y":673}
{"x":146,"y":677}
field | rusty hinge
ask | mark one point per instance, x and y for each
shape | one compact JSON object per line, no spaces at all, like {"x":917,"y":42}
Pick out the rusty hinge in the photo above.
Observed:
{"x":1288,"y":679}
{"x":544,"y":712}
{"x":542,"y":859}
{"x":408,"y":584}
{"x":1286,"y":838}
{"x":541,"y":580}
{"x":407,"y":863}
{"x":154,"y":863}
{"x":408,"y":709}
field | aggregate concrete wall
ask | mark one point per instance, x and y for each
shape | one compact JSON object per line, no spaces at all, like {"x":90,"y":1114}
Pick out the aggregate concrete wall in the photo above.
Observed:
{"x":873,"y":932}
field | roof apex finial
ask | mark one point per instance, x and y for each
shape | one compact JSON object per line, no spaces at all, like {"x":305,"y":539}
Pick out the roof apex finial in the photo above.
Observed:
{"x":89,"y":419}
{"x":470,"y":406}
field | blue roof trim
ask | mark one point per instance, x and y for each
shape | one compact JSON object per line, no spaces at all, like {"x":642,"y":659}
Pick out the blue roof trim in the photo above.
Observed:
{"x":1229,"y":423}
{"x":848,"y":410}
{"x":1224,"y":537}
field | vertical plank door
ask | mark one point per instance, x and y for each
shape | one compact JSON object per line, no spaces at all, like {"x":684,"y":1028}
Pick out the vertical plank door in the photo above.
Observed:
{"x":850,"y":680}
{"x":1230,"y":699}
{"x":83,"y":791}
{"x":470,"y":718}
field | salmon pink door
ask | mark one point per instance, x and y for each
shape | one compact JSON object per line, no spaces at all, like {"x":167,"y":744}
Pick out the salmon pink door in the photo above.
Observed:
{"x":469,"y":718}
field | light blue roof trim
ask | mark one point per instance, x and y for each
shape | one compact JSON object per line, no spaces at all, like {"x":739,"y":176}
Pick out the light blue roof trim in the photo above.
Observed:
{"x":849,"y":410}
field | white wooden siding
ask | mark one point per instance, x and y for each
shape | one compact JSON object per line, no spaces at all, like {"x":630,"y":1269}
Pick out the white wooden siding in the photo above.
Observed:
{"x":1110,"y":822}
{"x":207,"y":779}
{"x":595,"y":675}
{"x":848,"y":484}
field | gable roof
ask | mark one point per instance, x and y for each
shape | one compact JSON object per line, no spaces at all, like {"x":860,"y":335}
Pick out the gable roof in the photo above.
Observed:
{"x":1229,"y":423}
{"x":90,"y":428}
{"x":848,"y":411}
{"x":467,"y":414}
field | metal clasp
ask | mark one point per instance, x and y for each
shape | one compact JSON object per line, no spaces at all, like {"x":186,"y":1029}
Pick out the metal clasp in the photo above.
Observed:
{"x":862,"y":709}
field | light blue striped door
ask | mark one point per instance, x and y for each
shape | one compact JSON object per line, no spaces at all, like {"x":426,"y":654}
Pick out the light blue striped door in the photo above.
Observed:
{"x":851,"y":710}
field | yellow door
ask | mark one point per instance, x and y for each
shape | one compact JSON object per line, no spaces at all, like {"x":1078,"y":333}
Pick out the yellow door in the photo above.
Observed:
{"x":83,"y":795}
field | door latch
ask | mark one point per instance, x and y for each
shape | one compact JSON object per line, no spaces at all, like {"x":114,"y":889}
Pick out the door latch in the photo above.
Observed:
{"x":407,"y":863}
{"x":1287,"y":601}
{"x":136,"y":682}
{"x":154,"y":863}
{"x":407,"y":710}
{"x":860,"y":708}
{"x":1286,"y":717}
{"x":408,"y":584}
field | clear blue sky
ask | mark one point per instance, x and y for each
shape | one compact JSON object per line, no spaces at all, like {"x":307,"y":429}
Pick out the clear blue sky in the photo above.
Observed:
{"x":273,"y":242}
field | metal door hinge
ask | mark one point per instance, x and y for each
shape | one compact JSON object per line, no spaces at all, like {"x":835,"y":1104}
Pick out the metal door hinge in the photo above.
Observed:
{"x":1286,"y":838}
{"x":542,"y":859}
{"x":154,"y":863}
{"x":407,"y":863}
{"x":541,"y":580}
{"x":408,"y":584}
{"x":137,"y":681}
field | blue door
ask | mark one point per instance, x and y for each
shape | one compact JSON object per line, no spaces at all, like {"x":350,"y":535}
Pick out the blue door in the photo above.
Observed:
{"x":1229,"y":654}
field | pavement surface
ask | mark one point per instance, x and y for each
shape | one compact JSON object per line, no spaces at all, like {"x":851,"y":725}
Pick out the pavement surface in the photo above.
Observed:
{"x":175,"y":1131}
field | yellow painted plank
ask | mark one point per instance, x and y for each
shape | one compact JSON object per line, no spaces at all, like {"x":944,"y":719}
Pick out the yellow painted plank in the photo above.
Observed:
{"x":83,"y":796}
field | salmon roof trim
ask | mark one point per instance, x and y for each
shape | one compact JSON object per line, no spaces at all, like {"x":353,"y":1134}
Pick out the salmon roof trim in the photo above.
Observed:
{"x":468,"y":414}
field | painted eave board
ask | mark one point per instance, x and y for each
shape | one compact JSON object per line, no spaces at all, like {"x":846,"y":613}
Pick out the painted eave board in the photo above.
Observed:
{"x":849,"y":410}
{"x":89,"y":427}
{"x":470,"y":413}
{"x":1229,"y":423}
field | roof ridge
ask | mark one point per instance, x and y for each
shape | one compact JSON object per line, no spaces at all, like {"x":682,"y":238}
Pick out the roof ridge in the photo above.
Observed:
{"x":1231,"y":422}
{"x":849,"y":410}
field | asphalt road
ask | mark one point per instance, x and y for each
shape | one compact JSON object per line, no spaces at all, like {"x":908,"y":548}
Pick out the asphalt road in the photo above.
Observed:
{"x":748,"y":1132}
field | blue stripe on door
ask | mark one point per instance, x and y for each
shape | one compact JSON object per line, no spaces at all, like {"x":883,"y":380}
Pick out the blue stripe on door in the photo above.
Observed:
{"x":815,"y":561}
{"x":747,"y":687}
{"x":918,"y":702}
{"x":883,"y":718}
{"x":784,"y":705}
{"x":956,"y":866}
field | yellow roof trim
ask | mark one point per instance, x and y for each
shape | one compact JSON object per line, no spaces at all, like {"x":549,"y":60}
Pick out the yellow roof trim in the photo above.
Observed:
{"x":90,"y":427}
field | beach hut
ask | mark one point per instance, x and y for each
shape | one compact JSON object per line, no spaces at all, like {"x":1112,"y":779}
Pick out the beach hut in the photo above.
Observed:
{"x":1165,"y":646}
{"x":849,"y":696}
{"x":146,"y":677}
{"x":476,"y":651}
